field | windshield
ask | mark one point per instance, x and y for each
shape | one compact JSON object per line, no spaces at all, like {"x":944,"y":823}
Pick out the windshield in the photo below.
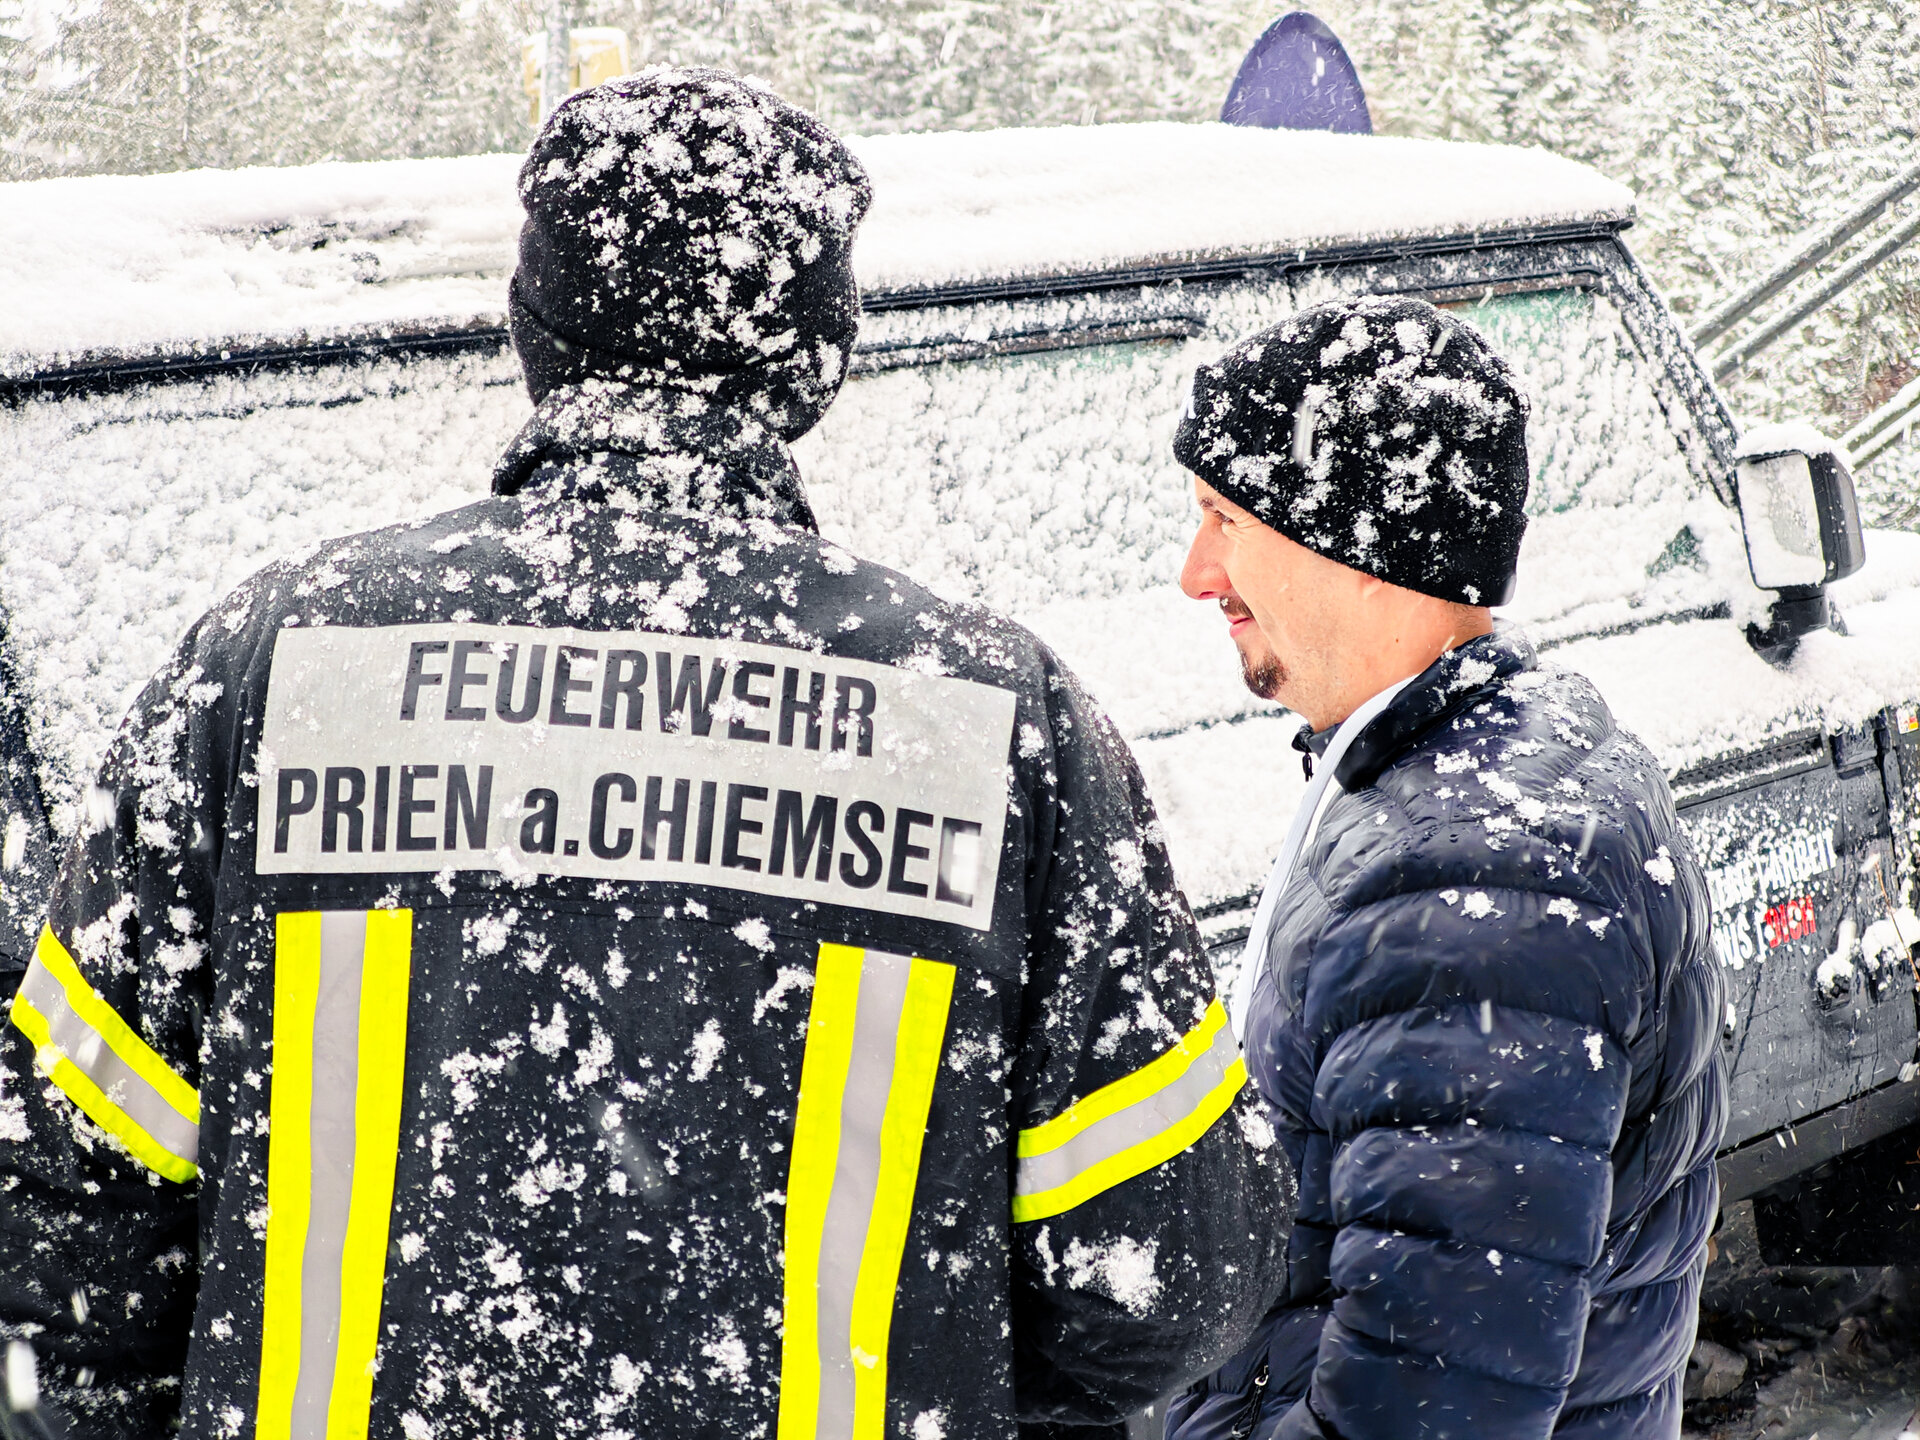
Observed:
{"x":1615,"y":513}
{"x":1023,"y":480}
{"x":1015,"y":481}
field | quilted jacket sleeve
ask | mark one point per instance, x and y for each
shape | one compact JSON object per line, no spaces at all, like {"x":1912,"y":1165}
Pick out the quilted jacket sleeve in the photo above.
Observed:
{"x":1471,"y":1077}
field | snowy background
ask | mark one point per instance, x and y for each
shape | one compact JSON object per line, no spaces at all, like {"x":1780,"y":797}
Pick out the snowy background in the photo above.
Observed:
{"x":1740,"y":126}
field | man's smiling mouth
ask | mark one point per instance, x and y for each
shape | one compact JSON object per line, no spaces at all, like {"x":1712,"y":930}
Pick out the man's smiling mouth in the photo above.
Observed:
{"x":1236,"y":612}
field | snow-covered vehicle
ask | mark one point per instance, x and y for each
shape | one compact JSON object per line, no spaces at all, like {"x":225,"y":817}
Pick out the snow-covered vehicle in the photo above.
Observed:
{"x":203,"y":372}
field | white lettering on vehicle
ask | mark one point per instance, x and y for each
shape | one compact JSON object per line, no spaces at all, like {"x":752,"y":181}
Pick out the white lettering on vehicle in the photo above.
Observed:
{"x":1779,"y":863}
{"x":1745,"y":926}
{"x":633,"y":756}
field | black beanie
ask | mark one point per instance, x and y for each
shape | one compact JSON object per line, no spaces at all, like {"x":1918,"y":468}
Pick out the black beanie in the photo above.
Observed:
{"x":688,"y":229}
{"x":1381,"y":433}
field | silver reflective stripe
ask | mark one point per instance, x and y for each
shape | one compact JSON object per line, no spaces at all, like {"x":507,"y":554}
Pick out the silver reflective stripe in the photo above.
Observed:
{"x":883,"y":993}
{"x":1150,"y":1116}
{"x":336,"y":1074}
{"x":89,"y":1053}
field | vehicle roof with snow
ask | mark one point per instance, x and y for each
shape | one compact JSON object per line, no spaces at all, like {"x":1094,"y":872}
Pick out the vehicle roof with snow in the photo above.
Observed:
{"x":107,"y":266}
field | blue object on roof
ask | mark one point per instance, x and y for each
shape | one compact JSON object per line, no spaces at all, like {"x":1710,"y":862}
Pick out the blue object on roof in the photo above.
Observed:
{"x":1297,"y":77}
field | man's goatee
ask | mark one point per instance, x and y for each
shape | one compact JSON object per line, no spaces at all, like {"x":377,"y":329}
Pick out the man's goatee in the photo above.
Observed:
{"x":1264,"y":677}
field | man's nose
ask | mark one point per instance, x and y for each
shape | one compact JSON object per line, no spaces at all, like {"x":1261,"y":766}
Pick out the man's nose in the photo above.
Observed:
{"x":1203,"y":577}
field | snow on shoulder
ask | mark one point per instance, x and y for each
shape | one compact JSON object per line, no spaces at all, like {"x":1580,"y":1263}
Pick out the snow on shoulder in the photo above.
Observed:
{"x":108,"y":266}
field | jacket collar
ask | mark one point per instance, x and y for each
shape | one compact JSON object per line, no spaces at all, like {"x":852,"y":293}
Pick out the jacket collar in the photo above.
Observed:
{"x":1455,"y":679}
{"x":1312,"y":745}
{"x":667,"y":449}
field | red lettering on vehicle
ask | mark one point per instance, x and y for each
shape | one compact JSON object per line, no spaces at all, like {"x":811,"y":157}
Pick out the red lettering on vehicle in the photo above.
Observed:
{"x":1789,"y":920}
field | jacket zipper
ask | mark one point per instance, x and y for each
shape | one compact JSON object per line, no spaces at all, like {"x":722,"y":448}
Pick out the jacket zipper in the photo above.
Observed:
{"x":1243,"y":1427}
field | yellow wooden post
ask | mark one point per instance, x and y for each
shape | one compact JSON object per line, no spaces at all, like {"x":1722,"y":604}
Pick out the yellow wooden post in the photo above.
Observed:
{"x":595,"y":54}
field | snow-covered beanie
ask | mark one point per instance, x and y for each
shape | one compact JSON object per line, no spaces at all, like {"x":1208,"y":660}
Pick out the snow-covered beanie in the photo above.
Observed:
{"x":689,"y":232}
{"x":1380,"y":432}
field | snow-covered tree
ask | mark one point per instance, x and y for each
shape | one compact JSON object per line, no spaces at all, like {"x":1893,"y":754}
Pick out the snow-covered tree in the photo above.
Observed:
{"x":1742,"y":127}
{"x":141,"y":85}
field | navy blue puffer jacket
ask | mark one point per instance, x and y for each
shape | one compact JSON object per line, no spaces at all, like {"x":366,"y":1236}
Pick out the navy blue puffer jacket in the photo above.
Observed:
{"x":1488,"y":1027}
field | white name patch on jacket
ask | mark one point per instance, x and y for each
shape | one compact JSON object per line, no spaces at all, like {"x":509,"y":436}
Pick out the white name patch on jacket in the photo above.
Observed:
{"x":633,"y":756}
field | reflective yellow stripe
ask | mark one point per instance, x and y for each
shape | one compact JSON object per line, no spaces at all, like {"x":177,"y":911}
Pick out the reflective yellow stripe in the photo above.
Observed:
{"x":1128,"y":1090}
{"x":385,"y":977}
{"x":875,"y":1037}
{"x":341,"y":984}
{"x":1126,"y":1128}
{"x":916,"y":1065}
{"x":78,"y":1087}
{"x":296,"y":994}
{"x":104,"y":1067}
{"x":138,"y":1055}
{"x":1153,"y":1151}
{"x":816,"y":1154}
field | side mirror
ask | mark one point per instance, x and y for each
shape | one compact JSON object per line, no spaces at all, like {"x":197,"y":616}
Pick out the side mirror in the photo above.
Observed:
{"x":1802,"y":528}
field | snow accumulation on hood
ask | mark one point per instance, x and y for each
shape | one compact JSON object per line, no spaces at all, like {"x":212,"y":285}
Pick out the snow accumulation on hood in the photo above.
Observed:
{"x":136,"y":265}
{"x":141,"y":264}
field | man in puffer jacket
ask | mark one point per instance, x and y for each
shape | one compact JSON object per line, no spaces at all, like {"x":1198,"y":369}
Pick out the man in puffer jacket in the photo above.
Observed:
{"x":1478,"y":992}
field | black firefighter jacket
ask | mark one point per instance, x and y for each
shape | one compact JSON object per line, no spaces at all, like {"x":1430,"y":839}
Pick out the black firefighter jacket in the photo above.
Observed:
{"x":577,"y":968}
